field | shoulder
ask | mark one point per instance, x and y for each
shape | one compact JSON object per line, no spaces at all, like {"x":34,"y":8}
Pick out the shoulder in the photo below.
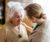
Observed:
{"x":35,"y":36}
{"x":3,"y":30}
{"x":2,"y":34}
{"x":47,"y":23}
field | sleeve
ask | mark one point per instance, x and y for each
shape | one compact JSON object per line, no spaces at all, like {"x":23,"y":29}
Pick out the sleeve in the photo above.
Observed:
{"x":29,"y":23}
{"x":35,"y":37}
{"x":2,"y":35}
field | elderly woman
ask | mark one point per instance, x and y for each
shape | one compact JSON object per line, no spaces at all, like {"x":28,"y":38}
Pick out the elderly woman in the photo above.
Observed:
{"x":13,"y":30}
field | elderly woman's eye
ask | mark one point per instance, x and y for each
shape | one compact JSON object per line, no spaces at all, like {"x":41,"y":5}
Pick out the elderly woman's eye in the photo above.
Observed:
{"x":17,"y":16}
{"x":21,"y":16}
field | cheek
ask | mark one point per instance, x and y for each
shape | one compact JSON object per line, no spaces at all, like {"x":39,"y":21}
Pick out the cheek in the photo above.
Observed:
{"x":34,"y":20}
{"x":14,"y":20}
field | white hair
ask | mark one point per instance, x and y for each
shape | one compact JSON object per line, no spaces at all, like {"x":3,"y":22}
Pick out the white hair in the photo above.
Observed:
{"x":15,"y":8}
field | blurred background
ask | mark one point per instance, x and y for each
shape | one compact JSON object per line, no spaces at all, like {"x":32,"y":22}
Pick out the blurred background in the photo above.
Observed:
{"x":2,"y":13}
{"x":44,"y":3}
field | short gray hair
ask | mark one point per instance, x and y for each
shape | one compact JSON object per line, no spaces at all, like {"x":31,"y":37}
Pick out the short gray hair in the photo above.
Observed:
{"x":15,"y":8}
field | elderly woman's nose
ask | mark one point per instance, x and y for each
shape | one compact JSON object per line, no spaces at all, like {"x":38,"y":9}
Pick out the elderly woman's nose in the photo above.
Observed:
{"x":19,"y":19}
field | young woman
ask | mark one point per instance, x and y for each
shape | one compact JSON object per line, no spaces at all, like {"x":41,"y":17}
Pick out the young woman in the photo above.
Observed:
{"x":41,"y":31}
{"x":13,"y":30}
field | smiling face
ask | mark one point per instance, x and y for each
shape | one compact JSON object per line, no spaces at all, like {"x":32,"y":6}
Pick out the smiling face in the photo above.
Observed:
{"x":16,"y":19}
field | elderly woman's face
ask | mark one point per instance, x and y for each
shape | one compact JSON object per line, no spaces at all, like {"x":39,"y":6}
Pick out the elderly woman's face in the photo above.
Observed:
{"x":16,"y":19}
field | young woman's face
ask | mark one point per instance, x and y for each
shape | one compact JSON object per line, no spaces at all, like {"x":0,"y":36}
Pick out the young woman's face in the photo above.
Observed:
{"x":37,"y":20}
{"x":16,"y":19}
{"x":34,"y":19}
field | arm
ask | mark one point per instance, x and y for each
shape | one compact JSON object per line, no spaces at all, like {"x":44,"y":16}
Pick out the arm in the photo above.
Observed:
{"x":29,"y":29}
{"x":35,"y":37}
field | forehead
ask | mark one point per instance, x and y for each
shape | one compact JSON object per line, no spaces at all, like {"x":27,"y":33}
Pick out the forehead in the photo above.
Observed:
{"x":17,"y":14}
